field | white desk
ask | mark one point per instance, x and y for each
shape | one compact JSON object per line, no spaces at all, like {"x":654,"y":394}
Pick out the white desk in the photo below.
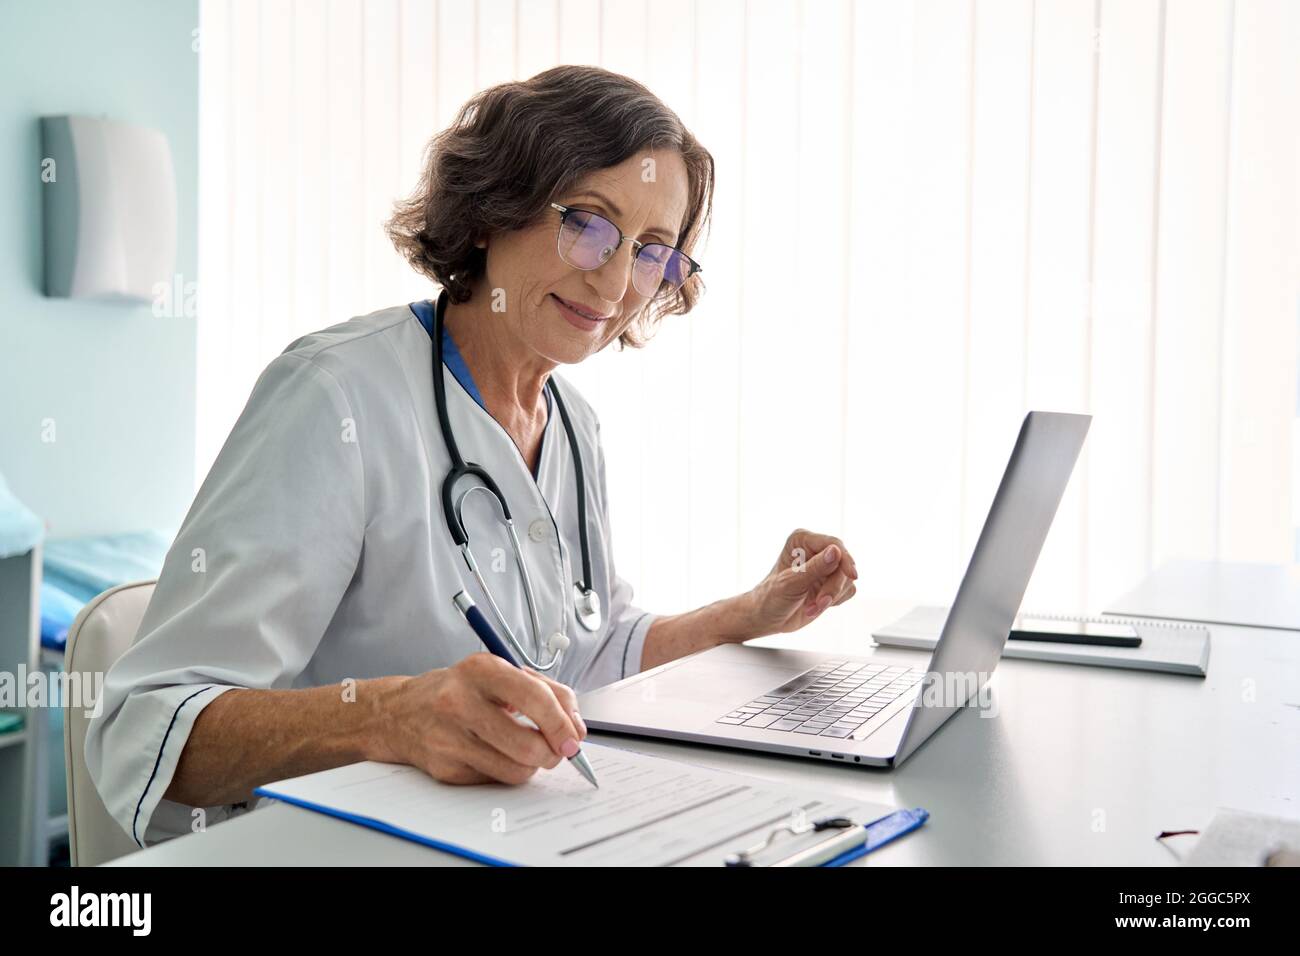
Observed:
{"x":1083,"y":765}
{"x":1218,"y":592}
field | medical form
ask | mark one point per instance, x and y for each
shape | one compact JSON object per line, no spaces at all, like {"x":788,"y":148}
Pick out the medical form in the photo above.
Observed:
{"x":649,"y":811}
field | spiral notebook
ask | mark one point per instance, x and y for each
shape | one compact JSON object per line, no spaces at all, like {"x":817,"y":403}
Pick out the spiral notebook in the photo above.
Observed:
{"x":1167,"y":647}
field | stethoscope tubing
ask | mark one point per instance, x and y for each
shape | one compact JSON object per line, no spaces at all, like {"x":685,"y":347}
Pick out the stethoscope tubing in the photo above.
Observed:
{"x":452,"y":506}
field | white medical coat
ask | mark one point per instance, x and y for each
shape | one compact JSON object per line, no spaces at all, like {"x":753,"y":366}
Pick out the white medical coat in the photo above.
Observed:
{"x":316,"y":551}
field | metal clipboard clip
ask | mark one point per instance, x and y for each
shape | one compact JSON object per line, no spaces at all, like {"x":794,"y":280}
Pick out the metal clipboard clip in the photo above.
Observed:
{"x":848,"y":840}
{"x":846,"y":836}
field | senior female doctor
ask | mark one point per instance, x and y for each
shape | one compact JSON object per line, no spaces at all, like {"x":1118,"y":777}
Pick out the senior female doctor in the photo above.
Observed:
{"x":304,"y":616}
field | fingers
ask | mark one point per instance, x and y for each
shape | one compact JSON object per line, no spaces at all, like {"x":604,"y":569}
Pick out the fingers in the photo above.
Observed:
{"x":827,"y":578}
{"x":569,"y":701}
{"x":546,"y":703}
{"x":517,"y":741}
{"x":835,"y":590}
{"x":488,"y":761}
{"x":818,"y":544}
{"x":825,"y":595}
{"x":808,"y":576}
{"x":820,"y":582}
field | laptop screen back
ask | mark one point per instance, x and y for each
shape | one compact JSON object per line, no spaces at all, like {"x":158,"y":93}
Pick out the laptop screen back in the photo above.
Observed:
{"x":1000,"y":567}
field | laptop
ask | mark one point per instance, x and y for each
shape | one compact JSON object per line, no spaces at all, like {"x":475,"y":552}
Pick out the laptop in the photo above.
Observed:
{"x":875,"y":709}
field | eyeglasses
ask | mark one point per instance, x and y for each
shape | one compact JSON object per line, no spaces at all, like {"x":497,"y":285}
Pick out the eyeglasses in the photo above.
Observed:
{"x":587,"y":241}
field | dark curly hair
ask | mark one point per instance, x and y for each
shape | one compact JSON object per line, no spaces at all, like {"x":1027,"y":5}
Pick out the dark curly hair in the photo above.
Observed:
{"x":515,"y":147}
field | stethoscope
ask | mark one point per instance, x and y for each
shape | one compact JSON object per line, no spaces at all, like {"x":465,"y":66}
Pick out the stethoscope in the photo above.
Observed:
{"x":586,"y":602}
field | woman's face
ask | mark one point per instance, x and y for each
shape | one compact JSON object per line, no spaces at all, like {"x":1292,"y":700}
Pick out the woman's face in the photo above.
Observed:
{"x":646,"y":197}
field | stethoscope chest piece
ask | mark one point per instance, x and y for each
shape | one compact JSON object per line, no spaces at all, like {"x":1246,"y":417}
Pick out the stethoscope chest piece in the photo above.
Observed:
{"x":586,"y":605}
{"x":586,"y":602}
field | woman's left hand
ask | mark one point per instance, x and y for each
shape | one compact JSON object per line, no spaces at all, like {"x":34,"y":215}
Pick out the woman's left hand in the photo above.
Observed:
{"x":813,"y":572}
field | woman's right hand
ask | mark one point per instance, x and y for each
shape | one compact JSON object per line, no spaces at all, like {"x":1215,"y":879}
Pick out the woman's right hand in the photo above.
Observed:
{"x":458,"y":724}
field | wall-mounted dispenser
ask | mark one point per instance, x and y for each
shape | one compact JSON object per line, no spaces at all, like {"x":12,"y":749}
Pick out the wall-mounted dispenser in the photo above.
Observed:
{"x":110,"y":209}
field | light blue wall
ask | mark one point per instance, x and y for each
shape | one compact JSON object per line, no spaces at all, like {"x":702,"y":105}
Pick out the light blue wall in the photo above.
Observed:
{"x":118,"y":382}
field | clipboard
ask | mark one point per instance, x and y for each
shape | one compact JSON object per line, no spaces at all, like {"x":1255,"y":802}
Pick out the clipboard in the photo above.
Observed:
{"x":376,"y":824}
{"x":878,"y":833}
{"x":652,"y":812}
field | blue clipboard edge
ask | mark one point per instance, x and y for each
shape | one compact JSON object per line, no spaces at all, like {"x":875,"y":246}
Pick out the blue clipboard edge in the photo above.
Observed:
{"x":880,"y":832}
{"x":883,"y":831}
{"x":383,"y":827}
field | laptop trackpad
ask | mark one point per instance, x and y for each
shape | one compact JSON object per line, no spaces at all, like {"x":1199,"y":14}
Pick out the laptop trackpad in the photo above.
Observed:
{"x":721,"y":681}
{"x":697,"y":692}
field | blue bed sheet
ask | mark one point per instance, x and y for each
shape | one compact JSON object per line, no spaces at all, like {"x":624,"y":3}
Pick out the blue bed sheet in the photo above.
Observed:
{"x":75,"y":570}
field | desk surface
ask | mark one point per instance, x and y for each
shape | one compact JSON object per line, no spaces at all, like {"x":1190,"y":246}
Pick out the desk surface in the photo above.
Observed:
{"x":1081,"y":765}
{"x":1218,"y":592}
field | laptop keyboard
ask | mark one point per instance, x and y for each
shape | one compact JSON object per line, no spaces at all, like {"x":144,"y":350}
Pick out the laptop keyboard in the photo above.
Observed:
{"x":833,"y":699}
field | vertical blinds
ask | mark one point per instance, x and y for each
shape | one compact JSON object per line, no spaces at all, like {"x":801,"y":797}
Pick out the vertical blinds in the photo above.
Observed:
{"x":930,"y":218}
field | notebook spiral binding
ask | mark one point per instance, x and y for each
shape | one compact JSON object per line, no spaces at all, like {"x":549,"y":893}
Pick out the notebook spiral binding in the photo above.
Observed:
{"x":1113,"y":619}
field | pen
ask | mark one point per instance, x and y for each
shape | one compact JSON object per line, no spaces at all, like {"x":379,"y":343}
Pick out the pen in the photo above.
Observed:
{"x":465,"y":604}
{"x":1096,"y":640}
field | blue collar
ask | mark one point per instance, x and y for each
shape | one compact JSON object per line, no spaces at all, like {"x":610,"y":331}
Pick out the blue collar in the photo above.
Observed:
{"x":451,"y":356}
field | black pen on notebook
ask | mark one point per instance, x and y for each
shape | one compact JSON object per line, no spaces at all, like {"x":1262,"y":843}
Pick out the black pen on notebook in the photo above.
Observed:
{"x":1071,"y":631}
{"x":465,"y":604}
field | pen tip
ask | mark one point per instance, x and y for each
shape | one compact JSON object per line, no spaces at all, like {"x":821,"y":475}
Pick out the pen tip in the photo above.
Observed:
{"x":580,"y":761}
